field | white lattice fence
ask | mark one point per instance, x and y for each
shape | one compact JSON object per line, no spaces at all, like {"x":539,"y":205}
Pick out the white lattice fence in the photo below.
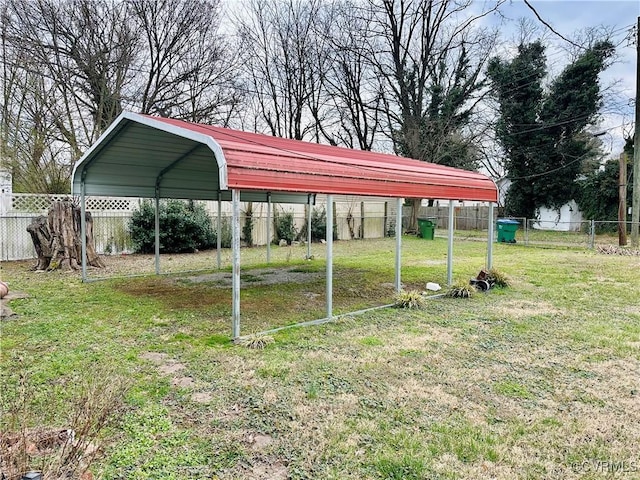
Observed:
{"x":110,"y":214}
{"x":34,"y":203}
{"x":15,"y":241}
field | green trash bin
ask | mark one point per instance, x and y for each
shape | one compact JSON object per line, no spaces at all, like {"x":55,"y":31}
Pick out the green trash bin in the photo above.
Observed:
{"x":427,"y":228}
{"x":507,"y":229}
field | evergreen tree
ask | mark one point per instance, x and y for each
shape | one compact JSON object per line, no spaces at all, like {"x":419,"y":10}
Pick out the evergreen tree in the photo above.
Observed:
{"x":543,"y":134}
{"x":518,"y":89}
{"x":598,"y":194}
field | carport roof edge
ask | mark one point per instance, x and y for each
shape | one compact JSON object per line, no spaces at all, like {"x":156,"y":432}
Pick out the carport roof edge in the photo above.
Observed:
{"x":139,"y":153}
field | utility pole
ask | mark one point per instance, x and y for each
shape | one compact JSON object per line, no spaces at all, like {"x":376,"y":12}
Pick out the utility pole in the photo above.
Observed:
{"x":622,"y":201}
{"x":635,"y":206}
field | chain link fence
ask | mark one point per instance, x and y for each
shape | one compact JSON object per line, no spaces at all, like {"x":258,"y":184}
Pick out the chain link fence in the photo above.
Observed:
{"x":586,"y":234}
{"x":112,"y":236}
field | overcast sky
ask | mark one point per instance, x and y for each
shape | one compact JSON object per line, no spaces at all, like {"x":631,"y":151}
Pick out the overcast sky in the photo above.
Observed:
{"x":568,"y":17}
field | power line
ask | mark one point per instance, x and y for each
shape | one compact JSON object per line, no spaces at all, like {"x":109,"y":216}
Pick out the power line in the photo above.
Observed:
{"x":550,"y":27}
{"x":554,"y":170}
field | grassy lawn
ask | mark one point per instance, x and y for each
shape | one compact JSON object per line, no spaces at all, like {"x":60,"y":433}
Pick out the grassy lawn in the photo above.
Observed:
{"x":539,"y":380}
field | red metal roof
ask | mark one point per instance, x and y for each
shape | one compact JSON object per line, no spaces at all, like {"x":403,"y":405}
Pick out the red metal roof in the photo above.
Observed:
{"x":141,"y":155}
{"x":262,"y":162}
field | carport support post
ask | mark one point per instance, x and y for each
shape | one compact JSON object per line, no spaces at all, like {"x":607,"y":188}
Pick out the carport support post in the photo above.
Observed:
{"x":490,"y":237}
{"x":398,"y":284}
{"x":329,"y":239}
{"x":83,"y":230}
{"x":309,"y":229}
{"x":235,"y":254}
{"x":157,"y":231}
{"x":450,"y":246}
{"x":268,"y":228}
{"x":219,"y":232}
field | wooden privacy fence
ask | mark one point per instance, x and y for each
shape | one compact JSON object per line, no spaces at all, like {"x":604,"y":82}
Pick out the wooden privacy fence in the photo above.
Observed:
{"x":474,"y":217}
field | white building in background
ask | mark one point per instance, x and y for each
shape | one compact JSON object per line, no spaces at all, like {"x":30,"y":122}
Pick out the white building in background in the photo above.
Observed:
{"x":503,"y":185}
{"x":6,"y":190}
{"x":567,"y":218}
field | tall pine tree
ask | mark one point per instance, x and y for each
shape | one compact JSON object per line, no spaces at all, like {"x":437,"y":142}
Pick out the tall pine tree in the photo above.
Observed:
{"x":543,"y":134}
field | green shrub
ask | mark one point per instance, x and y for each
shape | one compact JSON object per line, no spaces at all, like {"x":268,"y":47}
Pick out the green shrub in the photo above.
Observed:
{"x":318,"y":226}
{"x":247,"y":229}
{"x":284,"y":227}
{"x":184,"y":227}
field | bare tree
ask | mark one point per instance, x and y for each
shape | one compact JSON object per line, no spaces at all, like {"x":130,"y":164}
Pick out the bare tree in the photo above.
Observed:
{"x":11,"y":83}
{"x":38,"y":160}
{"x":350,"y":81}
{"x":86,"y":48}
{"x":65,"y":67}
{"x":281,"y":62}
{"x":29,"y":143}
{"x":71,"y":66}
{"x":186,"y":70}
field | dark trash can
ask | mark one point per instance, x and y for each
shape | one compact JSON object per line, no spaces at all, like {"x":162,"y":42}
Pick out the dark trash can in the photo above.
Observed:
{"x":507,"y":229}
{"x":427,"y":228}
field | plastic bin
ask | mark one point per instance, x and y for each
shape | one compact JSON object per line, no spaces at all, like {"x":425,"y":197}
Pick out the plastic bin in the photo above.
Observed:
{"x":507,"y":229}
{"x":427,"y":228}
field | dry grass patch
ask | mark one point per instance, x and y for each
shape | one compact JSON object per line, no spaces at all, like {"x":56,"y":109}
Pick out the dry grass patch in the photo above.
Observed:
{"x":524,"y":309}
{"x":632,"y":309}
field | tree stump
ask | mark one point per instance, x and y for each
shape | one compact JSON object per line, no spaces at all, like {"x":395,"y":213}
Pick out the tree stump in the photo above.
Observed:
{"x":57,"y":241}
{"x":41,"y":238}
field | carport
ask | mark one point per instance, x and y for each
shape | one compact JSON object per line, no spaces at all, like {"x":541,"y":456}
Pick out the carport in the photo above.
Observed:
{"x":154,"y":157}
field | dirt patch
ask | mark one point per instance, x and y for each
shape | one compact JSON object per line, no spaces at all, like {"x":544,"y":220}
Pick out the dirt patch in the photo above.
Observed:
{"x":632,"y":309}
{"x":183,"y":382}
{"x":168,"y":366}
{"x":202,"y":397}
{"x":174,"y":294}
{"x":232,"y":413}
{"x":259,"y":276}
{"x":266,"y":471}
{"x":258,"y":441}
{"x":171,"y":367}
{"x":519,"y":309}
{"x":155,"y":357}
